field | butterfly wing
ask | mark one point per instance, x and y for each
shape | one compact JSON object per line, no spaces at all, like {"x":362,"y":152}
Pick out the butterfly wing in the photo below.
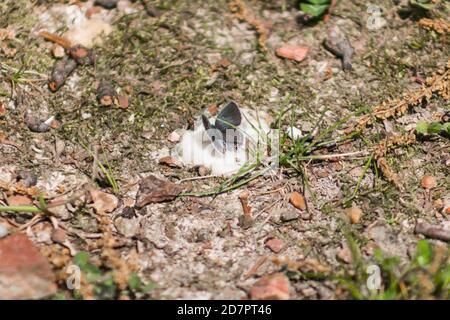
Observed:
{"x":229,"y":118}
{"x":214,"y":135}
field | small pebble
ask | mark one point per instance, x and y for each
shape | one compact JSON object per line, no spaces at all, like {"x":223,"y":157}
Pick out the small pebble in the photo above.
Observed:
{"x":58,"y":51}
{"x":203,"y":171}
{"x":3,"y":230}
{"x":297,"y":200}
{"x":428,"y":182}
{"x":289,"y":216}
{"x":174,"y":137}
{"x":274,"y":244}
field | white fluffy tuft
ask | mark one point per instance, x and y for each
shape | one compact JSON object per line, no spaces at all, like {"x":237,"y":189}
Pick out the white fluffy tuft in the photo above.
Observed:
{"x":196,"y":149}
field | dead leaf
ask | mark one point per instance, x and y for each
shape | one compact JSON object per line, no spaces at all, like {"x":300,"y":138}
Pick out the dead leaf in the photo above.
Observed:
{"x":171,"y":162}
{"x":19,"y":201}
{"x":153,"y":190}
{"x":103,"y":202}
{"x":213,"y":109}
{"x":24,"y":272}
{"x":292,"y":52}
{"x":224,"y":63}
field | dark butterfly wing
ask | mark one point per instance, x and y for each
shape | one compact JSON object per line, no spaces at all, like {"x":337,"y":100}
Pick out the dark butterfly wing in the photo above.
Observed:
{"x":206,"y":122}
{"x":229,"y":118}
{"x":214,"y":135}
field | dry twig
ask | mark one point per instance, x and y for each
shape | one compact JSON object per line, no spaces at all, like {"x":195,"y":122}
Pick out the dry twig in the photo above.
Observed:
{"x":240,"y":10}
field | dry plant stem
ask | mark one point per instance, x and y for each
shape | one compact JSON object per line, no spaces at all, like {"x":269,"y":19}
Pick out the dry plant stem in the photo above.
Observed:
{"x":245,"y":206}
{"x":438,"y":83}
{"x":380,"y":151}
{"x":438,"y":25}
{"x":121,"y":268}
{"x":19,"y":188}
{"x":240,"y":10}
{"x":63,"y":42}
{"x":255,"y":267}
{"x":5,"y":141}
{"x":61,"y":71}
{"x":330,"y":9}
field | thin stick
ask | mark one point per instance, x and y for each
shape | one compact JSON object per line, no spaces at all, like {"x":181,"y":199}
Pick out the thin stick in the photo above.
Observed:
{"x":63,"y":42}
{"x":338,"y":155}
{"x":200,"y":178}
{"x":255,"y":267}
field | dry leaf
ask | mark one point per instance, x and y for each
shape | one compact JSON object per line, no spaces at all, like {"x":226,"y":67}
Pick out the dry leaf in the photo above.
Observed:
{"x":19,"y":201}
{"x":103,"y":202}
{"x":171,"y":162}
{"x":153,"y":190}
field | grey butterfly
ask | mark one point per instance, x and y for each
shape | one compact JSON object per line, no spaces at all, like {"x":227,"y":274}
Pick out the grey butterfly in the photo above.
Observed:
{"x":224,"y":133}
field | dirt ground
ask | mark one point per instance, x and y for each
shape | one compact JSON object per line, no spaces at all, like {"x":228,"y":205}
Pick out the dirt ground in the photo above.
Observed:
{"x":180,"y":58}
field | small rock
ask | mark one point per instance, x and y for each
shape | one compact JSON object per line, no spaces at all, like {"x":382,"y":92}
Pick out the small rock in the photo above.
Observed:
{"x":297,"y":200}
{"x":2,"y":109}
{"x":28,"y":178}
{"x":289,"y":216}
{"x":58,"y":236}
{"x":58,"y":51}
{"x":147,"y":135}
{"x":294,"y":133}
{"x":345,"y":255}
{"x":438,"y":203}
{"x":127,"y":227}
{"x":203,"y":171}
{"x":224,"y":63}
{"x":24,"y":272}
{"x":245,"y":221}
{"x":306,"y":216}
{"x":107,"y":4}
{"x":213,"y":109}
{"x":3,"y":230}
{"x":428,"y":182}
{"x":292,"y":52}
{"x":274,"y":244}
{"x":354,"y":213}
{"x":174,"y":137}
{"x":271,"y":287}
{"x":128,"y":213}
{"x":123,"y":101}
{"x":203,"y":235}
{"x":37,"y":125}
